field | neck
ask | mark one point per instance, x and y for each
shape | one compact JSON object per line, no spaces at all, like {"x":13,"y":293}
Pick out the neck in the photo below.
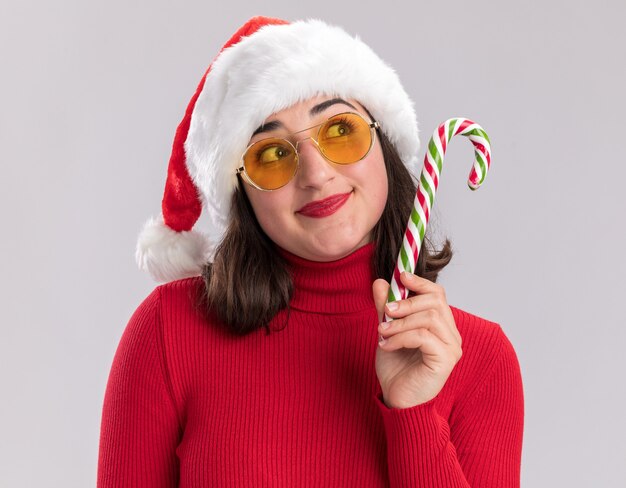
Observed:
{"x":341,"y":286}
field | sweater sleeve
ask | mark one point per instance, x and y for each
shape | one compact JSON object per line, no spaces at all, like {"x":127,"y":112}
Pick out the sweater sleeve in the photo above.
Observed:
{"x":140,"y":429}
{"x":481,"y":449}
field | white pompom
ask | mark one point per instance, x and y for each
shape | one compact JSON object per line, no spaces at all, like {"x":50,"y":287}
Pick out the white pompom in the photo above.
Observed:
{"x":169,"y":255}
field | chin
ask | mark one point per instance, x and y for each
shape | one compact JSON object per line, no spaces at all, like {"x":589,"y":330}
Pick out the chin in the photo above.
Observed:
{"x":335,"y":250}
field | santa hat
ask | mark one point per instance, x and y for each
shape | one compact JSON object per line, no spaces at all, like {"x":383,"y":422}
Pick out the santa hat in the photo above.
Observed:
{"x":266,"y":66}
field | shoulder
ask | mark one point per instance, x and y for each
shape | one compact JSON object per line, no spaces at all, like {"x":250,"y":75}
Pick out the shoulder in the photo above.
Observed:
{"x":477,"y":331}
{"x":180,"y":294}
{"x":486,"y":348}
{"x":168,"y":306}
{"x":166,"y":325}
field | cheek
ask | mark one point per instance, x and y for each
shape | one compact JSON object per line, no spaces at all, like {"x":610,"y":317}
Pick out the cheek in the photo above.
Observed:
{"x":267,"y":207}
{"x":381,"y":179}
{"x":375,"y":180}
{"x":379,"y":190}
{"x":382,"y":192}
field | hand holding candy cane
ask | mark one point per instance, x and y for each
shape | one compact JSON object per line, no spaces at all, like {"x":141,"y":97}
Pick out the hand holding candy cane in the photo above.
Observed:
{"x":422,"y":345}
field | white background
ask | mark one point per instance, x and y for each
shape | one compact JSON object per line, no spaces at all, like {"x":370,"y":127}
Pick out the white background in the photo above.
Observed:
{"x":92,"y":93}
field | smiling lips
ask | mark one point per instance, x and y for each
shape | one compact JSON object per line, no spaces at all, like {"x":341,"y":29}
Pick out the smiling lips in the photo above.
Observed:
{"x":326,"y":207}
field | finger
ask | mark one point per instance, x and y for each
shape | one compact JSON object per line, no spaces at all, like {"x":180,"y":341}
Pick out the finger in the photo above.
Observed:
{"x":424,"y":304}
{"x":418,"y":284}
{"x":432,"y":296}
{"x":380,"y":290}
{"x":414,"y":304}
{"x":421,"y":339}
{"x":429,"y":320}
{"x":433,"y":350}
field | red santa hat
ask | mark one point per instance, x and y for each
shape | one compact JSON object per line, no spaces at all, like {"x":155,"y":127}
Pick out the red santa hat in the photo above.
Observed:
{"x":266,"y":66}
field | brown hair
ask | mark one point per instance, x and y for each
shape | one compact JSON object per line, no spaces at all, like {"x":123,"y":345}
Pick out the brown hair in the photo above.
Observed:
{"x":248,"y":283}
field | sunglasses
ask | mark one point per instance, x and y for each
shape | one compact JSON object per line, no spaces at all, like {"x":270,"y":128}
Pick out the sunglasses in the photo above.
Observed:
{"x":271,"y":163}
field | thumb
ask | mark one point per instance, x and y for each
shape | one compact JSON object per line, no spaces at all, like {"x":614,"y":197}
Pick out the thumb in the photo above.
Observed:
{"x":380,"y":290}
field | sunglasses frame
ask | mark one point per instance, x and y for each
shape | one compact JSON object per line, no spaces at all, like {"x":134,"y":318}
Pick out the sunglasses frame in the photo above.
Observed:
{"x":242,"y":169}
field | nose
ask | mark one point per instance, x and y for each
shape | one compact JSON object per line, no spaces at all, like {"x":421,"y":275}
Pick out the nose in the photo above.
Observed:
{"x":314,"y":171}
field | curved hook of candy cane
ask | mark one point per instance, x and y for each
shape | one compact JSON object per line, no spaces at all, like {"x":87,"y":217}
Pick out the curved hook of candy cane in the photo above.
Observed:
{"x":427,"y":187}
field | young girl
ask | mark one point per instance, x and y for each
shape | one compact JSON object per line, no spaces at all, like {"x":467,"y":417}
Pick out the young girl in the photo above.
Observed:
{"x":257,"y":363}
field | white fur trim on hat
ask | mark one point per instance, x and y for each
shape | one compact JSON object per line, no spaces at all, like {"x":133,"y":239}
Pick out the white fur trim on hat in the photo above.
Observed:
{"x":169,"y":255}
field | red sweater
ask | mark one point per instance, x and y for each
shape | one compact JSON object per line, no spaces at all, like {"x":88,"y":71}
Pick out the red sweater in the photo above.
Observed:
{"x":188,"y":404}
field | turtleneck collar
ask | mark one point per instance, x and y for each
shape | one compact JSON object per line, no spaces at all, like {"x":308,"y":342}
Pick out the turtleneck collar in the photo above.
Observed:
{"x":341,"y":286}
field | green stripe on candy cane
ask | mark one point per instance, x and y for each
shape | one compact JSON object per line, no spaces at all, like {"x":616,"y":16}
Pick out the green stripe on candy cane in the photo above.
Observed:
{"x":426,"y":190}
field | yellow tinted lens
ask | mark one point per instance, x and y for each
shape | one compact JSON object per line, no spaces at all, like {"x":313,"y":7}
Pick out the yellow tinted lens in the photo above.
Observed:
{"x":345,"y":138}
{"x":270,"y":163}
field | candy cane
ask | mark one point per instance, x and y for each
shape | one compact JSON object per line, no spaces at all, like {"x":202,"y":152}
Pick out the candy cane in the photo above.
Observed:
{"x":426,"y":188}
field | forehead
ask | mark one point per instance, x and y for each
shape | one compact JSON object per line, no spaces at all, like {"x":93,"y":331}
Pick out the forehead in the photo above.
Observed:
{"x":302,"y":113}
{"x":316,"y":104}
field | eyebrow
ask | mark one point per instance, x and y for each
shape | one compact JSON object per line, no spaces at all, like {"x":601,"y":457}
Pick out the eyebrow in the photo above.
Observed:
{"x":277,"y":124}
